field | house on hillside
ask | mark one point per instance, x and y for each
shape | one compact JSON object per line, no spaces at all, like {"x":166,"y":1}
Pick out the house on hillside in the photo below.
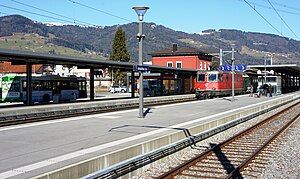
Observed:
{"x":182,"y":58}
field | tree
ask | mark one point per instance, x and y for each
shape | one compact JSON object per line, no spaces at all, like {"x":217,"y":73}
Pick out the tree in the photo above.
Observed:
{"x":215,"y":64}
{"x":119,"y":53}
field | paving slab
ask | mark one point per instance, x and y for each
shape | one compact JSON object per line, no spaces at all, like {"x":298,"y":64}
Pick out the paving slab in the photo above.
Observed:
{"x":32,"y":149}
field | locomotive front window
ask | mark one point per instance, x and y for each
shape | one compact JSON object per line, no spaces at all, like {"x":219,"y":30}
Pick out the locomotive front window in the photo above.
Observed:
{"x":212,"y":77}
{"x":201,"y":77}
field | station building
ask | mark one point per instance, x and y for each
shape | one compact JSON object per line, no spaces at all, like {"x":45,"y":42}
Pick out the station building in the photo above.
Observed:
{"x":187,"y":58}
{"x":180,"y":58}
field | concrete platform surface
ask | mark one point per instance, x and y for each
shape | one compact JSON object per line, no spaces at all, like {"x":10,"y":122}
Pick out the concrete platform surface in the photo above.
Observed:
{"x":32,"y":149}
{"x":100,"y":104}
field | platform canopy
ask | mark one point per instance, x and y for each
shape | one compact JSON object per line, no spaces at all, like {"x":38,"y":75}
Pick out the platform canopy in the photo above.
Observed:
{"x":23,"y":57}
{"x":292,"y":69}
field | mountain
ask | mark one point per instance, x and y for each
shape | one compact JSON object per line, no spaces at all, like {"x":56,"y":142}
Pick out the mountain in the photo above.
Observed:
{"x":251,"y":46}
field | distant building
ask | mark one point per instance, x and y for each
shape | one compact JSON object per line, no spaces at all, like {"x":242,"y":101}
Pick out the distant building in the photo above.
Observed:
{"x":182,"y":58}
{"x":8,"y":68}
{"x":101,"y":76}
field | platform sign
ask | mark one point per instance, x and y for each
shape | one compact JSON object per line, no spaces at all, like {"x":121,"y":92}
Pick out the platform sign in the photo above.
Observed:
{"x":225,"y":68}
{"x":140,"y":68}
{"x":239,"y":67}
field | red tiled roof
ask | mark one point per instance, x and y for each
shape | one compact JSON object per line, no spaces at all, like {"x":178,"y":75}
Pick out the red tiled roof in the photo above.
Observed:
{"x":6,"y":67}
{"x":179,"y":52}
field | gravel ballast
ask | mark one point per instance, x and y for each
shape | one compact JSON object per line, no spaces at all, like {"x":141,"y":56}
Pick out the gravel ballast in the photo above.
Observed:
{"x":286,"y":161}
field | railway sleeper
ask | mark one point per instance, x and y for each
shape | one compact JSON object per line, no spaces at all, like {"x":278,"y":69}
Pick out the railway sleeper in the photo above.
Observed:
{"x":238,"y":149}
{"x":257,"y":165}
{"x":207,"y":169}
{"x":260,"y":161}
{"x":267,"y":153}
{"x":246,"y":152}
{"x":254,"y":140}
{"x":263,"y":158}
{"x":253,"y":169}
{"x":196,"y":175}
{"x":251,"y":140}
{"x":242,"y":143}
{"x":221,"y":162}
{"x":234,"y":156}
{"x":219,"y":166}
{"x":241,"y":147}
{"x":223,"y":158}
{"x":264,"y":154}
{"x":199,"y":174}
{"x":245,"y":142}
{"x":247,"y":174}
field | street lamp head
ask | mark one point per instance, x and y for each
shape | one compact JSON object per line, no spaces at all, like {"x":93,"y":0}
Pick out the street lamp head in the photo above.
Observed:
{"x":140,"y":11}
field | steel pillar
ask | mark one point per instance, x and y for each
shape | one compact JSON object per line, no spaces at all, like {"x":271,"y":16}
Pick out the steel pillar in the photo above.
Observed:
{"x":132,"y":84}
{"x":92,"y":86}
{"x":28,"y":83}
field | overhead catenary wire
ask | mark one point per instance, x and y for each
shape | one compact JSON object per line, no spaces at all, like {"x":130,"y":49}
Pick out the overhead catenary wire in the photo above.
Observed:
{"x":269,"y":22}
{"x":283,"y":20}
{"x":75,"y":20}
{"x":285,"y":6}
{"x":270,"y":8}
{"x":263,"y":17}
{"x":38,"y":14}
{"x":104,"y":12}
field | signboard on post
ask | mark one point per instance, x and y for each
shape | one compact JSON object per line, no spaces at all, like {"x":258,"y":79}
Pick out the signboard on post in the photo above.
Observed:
{"x":239,"y":67}
{"x":140,"y":68}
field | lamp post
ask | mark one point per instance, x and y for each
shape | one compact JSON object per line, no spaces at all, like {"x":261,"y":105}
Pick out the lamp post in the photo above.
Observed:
{"x":140,"y":11}
{"x":265,"y":70}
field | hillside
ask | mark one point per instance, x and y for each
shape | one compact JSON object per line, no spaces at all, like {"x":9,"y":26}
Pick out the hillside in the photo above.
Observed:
{"x":37,"y":43}
{"x":97,"y":41}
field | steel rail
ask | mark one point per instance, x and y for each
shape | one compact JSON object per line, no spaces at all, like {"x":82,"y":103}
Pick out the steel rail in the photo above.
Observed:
{"x":193,"y":161}
{"x":241,"y":167}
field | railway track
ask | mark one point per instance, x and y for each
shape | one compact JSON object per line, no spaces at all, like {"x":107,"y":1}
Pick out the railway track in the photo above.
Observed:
{"x":243,"y":155}
{"x":59,"y":114}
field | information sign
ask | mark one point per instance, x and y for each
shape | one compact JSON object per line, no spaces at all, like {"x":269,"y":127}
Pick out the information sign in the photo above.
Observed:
{"x":141,"y":68}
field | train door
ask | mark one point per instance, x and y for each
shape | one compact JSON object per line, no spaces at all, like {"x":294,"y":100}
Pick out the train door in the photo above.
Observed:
{"x":82,"y":89}
{"x":56,"y":91}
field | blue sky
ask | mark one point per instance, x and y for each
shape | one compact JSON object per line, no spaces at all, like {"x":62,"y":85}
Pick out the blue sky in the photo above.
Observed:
{"x":190,"y":16}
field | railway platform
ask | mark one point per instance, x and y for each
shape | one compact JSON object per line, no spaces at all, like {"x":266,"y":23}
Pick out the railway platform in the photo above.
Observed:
{"x":74,"y":147}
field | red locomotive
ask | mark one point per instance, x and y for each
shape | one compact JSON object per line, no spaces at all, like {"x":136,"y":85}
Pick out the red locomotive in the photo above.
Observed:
{"x":209,"y":84}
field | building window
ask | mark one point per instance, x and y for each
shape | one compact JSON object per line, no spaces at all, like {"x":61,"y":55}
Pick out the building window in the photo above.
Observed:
{"x":179,"y":64}
{"x":208,"y":66}
{"x":169,"y":64}
{"x":200,"y":65}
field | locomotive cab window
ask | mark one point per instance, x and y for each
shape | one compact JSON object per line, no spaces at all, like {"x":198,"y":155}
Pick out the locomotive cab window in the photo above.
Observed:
{"x":212,"y":77}
{"x":201,"y":77}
